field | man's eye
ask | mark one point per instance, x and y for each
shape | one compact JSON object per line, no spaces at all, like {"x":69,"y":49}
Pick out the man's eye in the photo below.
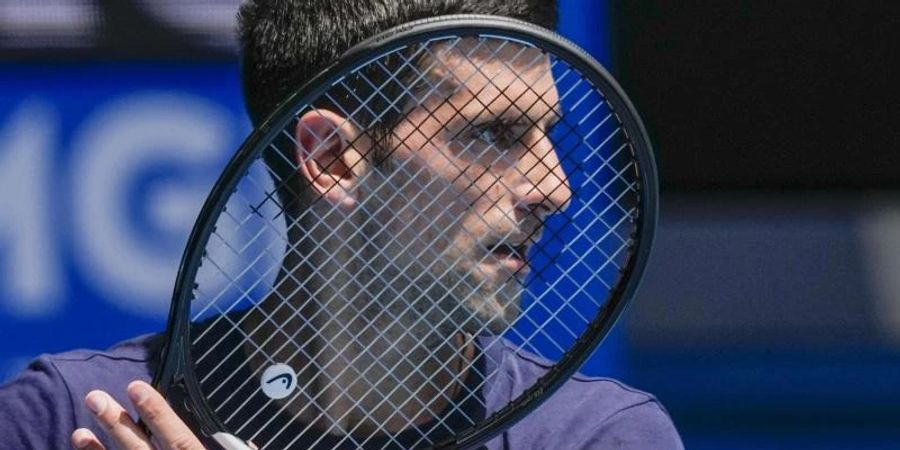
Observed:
{"x":496,"y":133}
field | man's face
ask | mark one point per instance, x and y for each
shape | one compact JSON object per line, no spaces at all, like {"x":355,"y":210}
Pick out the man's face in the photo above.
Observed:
{"x":470,"y":180}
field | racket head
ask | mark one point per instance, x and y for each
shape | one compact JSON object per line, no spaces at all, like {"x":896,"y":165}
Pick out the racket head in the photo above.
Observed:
{"x":614,"y":191}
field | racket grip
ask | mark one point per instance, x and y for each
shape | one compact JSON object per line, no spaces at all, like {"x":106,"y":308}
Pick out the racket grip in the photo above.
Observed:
{"x":231,"y":442}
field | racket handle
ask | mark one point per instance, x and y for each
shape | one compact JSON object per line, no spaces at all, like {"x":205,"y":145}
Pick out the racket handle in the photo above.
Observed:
{"x":231,"y":442}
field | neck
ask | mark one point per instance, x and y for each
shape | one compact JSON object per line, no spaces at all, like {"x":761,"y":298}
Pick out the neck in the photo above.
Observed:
{"x":367,"y":364}
{"x":382,"y":378}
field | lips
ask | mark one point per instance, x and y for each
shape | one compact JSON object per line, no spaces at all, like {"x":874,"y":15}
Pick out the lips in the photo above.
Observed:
{"x":512,"y":255}
{"x":504,"y":250}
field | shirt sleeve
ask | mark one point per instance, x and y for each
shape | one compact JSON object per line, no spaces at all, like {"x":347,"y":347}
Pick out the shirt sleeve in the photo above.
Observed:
{"x":36,"y":409}
{"x":643,"y":426}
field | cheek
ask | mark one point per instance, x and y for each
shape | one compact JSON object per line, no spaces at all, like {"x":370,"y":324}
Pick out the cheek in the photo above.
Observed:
{"x":439,"y":184}
{"x":458,"y":210}
{"x":443,"y":198}
{"x":422,"y":210}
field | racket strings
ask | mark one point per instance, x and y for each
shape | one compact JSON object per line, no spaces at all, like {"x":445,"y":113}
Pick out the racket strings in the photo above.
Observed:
{"x":426,"y":252}
{"x":348,"y":95}
{"x":615,"y":202}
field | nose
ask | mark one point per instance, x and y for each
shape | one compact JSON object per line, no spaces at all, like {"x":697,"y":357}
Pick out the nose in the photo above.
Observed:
{"x":543,"y":186}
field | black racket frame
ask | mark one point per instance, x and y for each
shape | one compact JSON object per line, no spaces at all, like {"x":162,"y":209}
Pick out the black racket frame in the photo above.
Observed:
{"x":175,"y":368}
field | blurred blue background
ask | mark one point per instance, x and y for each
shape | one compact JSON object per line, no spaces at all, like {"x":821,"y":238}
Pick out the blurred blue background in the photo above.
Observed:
{"x":770,"y":314}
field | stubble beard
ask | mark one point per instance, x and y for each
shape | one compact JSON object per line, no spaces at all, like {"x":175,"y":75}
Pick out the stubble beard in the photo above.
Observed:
{"x":438,"y":298}
{"x":432,"y":287}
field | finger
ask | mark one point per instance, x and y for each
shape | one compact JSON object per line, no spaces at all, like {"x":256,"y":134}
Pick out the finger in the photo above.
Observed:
{"x":116,"y":421}
{"x":84,"y":439}
{"x":168,"y":429}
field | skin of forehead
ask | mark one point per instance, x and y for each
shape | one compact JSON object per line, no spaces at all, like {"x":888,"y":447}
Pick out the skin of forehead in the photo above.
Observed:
{"x":498,"y":73}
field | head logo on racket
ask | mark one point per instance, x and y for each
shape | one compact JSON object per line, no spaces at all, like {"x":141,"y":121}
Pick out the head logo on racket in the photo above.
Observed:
{"x":278,"y":381}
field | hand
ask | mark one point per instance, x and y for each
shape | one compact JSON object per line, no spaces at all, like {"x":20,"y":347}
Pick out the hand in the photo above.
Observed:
{"x":169,"y":432}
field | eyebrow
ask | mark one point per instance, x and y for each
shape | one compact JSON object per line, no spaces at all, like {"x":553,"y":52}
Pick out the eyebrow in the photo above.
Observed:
{"x":436,"y":82}
{"x":549,"y":114}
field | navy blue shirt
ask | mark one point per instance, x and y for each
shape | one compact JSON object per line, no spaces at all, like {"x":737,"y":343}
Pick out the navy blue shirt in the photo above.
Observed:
{"x":41,"y":407}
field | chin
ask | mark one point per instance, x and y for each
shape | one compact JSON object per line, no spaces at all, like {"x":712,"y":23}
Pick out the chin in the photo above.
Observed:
{"x":494,"y":312}
{"x":472,"y":301}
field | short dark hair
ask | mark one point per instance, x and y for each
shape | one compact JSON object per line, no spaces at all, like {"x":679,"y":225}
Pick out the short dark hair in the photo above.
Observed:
{"x":284,"y":43}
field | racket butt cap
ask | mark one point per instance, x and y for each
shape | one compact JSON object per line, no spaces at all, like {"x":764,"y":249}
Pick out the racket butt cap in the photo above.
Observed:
{"x":231,"y":442}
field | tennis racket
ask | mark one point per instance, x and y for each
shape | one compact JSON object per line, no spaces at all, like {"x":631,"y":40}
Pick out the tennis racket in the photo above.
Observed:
{"x":451,"y":198}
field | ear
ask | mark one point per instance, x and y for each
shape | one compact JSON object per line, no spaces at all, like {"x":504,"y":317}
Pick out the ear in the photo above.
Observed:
{"x":329,"y":155}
